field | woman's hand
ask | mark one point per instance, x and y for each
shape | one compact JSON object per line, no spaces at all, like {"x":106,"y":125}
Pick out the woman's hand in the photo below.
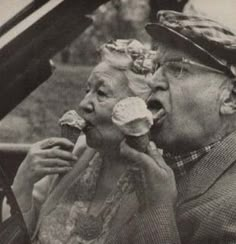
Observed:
{"x":160,"y":181}
{"x":46,"y":157}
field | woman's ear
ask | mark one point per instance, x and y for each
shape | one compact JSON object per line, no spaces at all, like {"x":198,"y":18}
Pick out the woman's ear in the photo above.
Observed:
{"x":228,"y":99}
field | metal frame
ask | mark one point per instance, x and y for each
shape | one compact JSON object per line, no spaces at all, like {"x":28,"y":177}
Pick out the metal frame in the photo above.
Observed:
{"x":26,"y":49}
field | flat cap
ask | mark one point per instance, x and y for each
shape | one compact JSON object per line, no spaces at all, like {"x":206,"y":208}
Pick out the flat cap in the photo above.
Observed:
{"x":215,"y":43}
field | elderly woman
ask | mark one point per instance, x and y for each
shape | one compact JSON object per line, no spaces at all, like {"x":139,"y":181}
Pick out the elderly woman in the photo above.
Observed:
{"x":92,"y":205}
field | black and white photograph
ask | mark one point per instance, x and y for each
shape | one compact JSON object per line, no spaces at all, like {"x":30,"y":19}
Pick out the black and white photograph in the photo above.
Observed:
{"x":118,"y":122}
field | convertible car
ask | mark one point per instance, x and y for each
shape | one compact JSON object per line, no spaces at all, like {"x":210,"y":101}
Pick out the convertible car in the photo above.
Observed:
{"x":31,"y":32}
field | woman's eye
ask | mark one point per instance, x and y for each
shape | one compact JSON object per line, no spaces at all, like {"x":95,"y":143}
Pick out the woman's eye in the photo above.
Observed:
{"x":101,"y":93}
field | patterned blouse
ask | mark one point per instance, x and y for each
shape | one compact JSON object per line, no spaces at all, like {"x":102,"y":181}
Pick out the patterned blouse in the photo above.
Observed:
{"x":69,"y":222}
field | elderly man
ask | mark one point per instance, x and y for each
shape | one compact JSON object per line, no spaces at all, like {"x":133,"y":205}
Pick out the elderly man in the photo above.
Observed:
{"x":192,"y":188}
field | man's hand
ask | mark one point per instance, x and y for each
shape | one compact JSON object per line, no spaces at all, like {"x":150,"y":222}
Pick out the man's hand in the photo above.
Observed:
{"x":160,"y":180}
{"x":50,"y":156}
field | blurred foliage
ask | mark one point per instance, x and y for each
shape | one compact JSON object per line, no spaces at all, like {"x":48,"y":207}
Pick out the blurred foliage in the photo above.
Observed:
{"x":37,"y":116}
{"x":115,"y":20}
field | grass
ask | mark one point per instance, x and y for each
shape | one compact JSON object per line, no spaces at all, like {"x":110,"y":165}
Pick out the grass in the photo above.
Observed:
{"x":36,"y":117}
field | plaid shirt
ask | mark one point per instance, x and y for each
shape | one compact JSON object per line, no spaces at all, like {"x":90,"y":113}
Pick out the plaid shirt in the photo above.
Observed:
{"x":205,"y":212}
{"x":180,"y":164}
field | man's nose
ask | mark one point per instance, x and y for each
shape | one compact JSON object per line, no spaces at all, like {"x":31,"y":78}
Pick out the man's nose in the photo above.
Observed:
{"x":158,"y":81}
{"x":86,"y":105}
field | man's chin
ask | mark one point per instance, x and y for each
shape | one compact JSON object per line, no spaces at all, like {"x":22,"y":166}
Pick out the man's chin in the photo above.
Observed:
{"x":159,"y":137}
{"x":155,"y":133}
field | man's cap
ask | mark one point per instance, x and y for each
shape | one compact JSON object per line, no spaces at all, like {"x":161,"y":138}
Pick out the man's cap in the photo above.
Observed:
{"x":215,"y":42}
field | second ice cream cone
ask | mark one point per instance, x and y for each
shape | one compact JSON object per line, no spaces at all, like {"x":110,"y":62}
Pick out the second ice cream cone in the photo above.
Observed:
{"x":139,"y":143}
{"x":134,"y":119}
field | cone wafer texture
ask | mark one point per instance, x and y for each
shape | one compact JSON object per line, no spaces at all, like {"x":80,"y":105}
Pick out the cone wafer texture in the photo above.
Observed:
{"x":70,"y":133}
{"x":139,"y":143}
{"x":71,"y":125}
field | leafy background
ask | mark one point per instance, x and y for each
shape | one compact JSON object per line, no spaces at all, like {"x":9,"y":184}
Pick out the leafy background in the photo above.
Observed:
{"x":36,"y":117}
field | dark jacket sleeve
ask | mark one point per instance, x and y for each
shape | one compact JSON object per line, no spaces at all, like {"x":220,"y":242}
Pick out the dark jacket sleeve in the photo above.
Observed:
{"x":156,"y":225}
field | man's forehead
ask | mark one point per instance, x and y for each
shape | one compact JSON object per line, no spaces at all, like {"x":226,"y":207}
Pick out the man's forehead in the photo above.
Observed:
{"x":168,"y":51}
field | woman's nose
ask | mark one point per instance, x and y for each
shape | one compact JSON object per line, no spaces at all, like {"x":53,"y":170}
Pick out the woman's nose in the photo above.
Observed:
{"x":86,"y":105}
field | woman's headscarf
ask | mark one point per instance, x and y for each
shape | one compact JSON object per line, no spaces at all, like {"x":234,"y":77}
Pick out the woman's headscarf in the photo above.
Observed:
{"x":134,"y":60}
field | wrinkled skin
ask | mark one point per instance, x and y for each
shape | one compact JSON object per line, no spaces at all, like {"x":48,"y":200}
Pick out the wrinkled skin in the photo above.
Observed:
{"x":189,"y":111}
{"x":105,"y":87}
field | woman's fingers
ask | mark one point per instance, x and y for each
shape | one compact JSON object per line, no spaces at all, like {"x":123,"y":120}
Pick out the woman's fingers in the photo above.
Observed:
{"x":58,"y":153}
{"x":53,"y":163}
{"x":56,"y":141}
{"x":49,"y":156}
{"x":55,"y":170}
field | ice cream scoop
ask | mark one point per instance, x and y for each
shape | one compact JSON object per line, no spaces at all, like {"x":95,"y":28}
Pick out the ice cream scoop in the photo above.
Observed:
{"x":71,"y":125}
{"x":134,"y":120}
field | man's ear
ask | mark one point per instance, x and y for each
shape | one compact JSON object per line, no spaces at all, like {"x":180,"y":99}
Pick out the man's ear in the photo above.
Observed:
{"x":228,"y":99}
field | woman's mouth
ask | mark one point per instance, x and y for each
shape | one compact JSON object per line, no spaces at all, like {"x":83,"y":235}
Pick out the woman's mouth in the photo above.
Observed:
{"x":88,"y":126}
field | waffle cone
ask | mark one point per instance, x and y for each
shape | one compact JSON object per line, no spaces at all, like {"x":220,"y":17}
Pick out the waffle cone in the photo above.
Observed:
{"x":139,"y":143}
{"x":69,"y":132}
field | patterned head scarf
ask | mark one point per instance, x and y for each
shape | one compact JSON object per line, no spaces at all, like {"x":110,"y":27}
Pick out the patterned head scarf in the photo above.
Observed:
{"x":132,"y":58}
{"x":215,"y":42}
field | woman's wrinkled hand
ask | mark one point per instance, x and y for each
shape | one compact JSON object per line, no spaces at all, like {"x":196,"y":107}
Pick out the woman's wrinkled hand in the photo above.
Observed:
{"x":46,"y":157}
{"x":160,"y":185}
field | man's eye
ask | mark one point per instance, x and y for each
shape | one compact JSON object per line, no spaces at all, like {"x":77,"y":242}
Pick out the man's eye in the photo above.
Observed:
{"x":174,"y":68}
{"x":87,"y":90}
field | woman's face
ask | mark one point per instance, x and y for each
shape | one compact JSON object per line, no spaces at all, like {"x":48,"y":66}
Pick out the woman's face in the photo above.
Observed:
{"x":105,"y":87}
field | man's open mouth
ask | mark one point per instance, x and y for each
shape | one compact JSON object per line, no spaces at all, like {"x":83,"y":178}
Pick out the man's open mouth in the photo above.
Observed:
{"x":158,"y":111}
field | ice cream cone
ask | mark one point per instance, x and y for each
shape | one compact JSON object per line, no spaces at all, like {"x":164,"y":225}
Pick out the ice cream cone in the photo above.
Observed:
{"x":139,"y":143}
{"x":135,"y":120}
{"x":71,"y":125}
{"x":132,"y":117}
{"x":69,"y":132}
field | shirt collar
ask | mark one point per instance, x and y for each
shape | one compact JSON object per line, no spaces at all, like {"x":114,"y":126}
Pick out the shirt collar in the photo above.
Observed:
{"x":182,"y":163}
